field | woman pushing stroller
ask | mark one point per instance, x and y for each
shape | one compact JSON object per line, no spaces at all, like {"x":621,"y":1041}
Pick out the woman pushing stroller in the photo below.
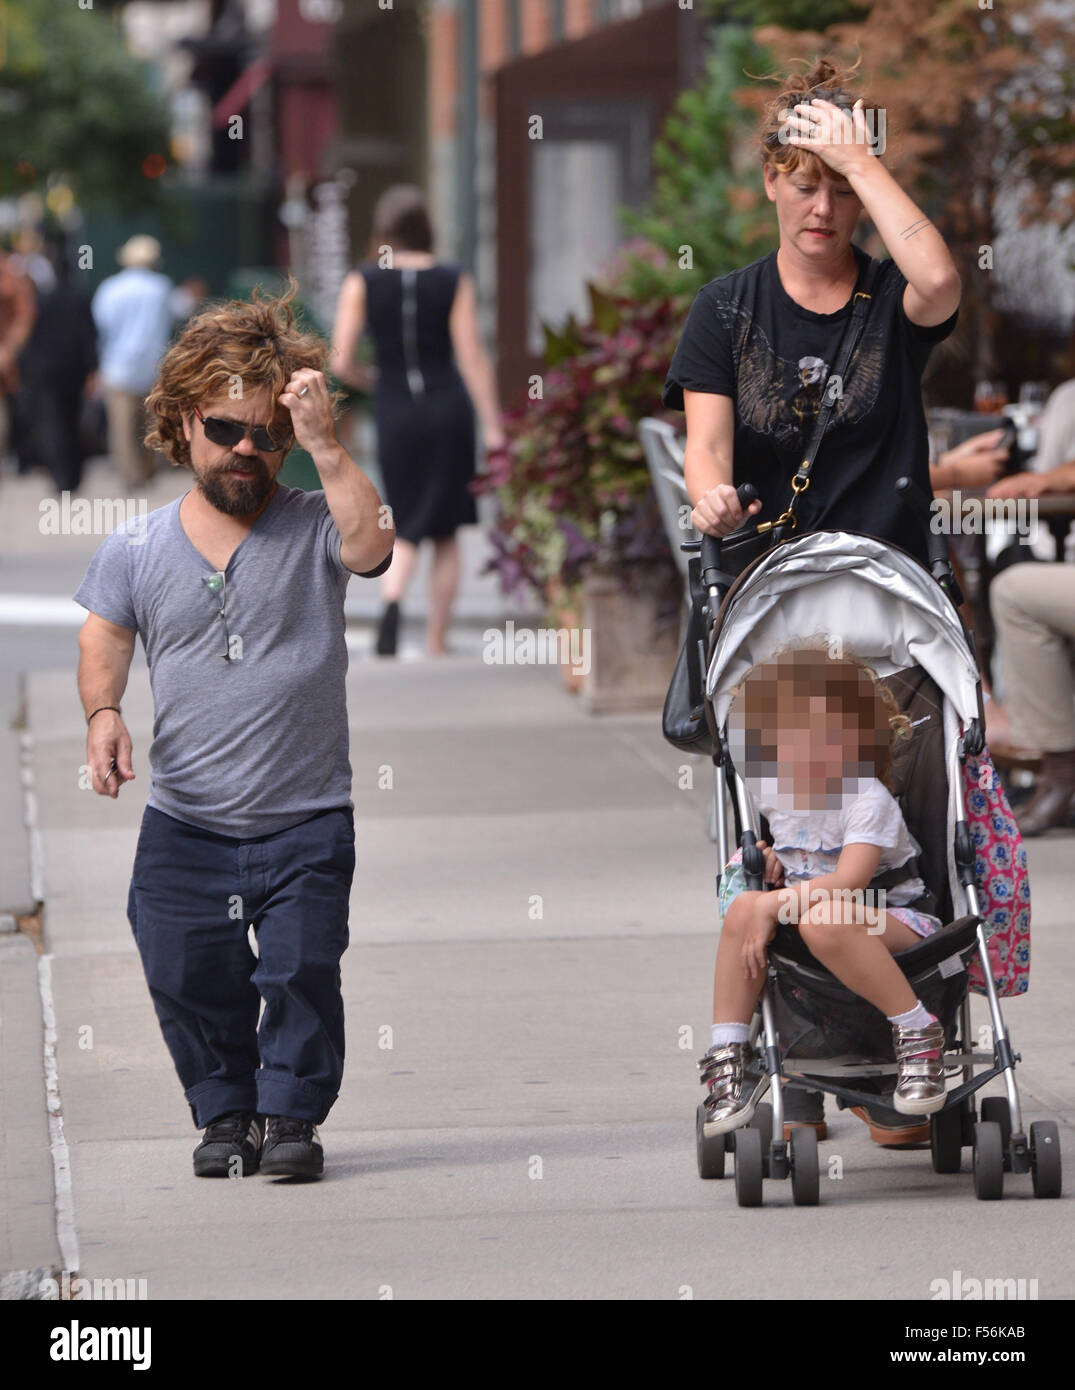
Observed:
{"x":818,"y":733}
{"x":753,"y":363}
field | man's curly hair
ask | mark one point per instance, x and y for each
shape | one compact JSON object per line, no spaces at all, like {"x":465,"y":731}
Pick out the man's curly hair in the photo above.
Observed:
{"x":227,"y":348}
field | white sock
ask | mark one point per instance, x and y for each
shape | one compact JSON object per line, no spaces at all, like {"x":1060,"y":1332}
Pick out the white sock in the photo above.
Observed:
{"x":729,"y":1033}
{"x":918,"y":1017}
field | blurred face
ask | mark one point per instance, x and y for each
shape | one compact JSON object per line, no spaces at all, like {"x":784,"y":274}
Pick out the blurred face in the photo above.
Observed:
{"x":237,"y":478}
{"x":813,"y":731}
{"x":816,"y":215}
{"x":817,"y":754}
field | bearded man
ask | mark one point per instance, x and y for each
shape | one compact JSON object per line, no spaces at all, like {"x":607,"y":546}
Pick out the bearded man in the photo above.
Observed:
{"x":237,"y":591}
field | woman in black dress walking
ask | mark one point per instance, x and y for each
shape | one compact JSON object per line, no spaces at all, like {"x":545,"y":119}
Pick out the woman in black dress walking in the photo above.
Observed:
{"x":432,"y":374}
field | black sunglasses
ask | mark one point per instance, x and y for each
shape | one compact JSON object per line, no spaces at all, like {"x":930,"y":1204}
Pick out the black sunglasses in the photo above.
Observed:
{"x":229,"y":432}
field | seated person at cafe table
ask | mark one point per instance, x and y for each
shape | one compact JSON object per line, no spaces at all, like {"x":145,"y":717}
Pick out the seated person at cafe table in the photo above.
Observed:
{"x":975,"y":463}
{"x":1056,"y":430}
{"x":1054,"y":480}
{"x":1033,"y":608}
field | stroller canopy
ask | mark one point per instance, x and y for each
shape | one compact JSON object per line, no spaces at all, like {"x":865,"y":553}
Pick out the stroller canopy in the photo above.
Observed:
{"x":888,"y":611}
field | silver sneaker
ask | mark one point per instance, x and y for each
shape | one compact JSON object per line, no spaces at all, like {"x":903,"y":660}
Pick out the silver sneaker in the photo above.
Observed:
{"x":920,"y":1081}
{"x":736,"y":1082}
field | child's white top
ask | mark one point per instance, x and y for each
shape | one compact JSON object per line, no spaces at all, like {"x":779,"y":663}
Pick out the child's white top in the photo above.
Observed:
{"x":809,"y":842}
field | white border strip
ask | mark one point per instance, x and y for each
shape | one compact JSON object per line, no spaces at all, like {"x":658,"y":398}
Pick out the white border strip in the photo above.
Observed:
{"x":66,"y":1236}
{"x":61,"y":1158}
{"x":29,"y":817}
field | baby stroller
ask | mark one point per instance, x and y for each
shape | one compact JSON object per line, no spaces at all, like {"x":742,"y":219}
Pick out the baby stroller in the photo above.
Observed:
{"x":812,"y":1032}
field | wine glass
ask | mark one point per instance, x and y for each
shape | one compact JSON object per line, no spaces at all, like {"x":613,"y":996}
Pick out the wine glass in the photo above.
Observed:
{"x":1032,"y":395}
{"x":990,"y":396}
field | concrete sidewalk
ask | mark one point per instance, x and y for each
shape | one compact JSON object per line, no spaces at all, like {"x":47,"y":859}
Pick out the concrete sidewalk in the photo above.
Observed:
{"x":530,"y":1131}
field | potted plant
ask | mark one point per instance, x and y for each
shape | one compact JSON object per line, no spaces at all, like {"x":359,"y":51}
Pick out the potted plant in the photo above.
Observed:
{"x":576,"y":519}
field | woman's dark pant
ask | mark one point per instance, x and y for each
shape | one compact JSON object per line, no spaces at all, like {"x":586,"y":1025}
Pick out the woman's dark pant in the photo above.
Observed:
{"x":193,"y":896}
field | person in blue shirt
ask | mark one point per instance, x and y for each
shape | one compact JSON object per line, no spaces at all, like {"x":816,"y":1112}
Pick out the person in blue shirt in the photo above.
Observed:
{"x":132,"y":311}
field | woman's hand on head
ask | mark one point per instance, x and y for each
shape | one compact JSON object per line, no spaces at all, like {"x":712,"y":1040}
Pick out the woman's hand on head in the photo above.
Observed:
{"x":718,"y":512}
{"x":840,"y":138}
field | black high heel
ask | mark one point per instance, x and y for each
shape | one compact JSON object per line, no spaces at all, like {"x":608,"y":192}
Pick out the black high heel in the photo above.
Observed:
{"x":388,"y":632}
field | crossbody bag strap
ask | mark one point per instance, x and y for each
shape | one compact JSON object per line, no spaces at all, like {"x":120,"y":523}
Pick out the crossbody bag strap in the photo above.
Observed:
{"x":830,"y":394}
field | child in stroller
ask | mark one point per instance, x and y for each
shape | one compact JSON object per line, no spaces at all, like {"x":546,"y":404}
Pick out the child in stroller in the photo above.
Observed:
{"x":818,"y":733}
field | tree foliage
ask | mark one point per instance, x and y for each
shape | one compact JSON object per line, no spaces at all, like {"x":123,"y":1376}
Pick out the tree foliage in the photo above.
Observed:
{"x":792,"y":14}
{"x":707,"y":210}
{"x":978,"y":106}
{"x":76,"y":103}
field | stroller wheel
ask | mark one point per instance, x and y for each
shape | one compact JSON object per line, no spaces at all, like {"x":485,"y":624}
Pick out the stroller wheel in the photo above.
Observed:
{"x":710,"y":1151}
{"x":988,"y":1161}
{"x":763,"y":1123}
{"x":946,"y":1139}
{"x":805,"y":1177}
{"x":1045,"y":1158}
{"x":748,"y":1168}
{"x":997,"y":1108}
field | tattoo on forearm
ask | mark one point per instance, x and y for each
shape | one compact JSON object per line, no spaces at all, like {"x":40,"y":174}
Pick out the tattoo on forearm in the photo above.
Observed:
{"x":915,"y":227}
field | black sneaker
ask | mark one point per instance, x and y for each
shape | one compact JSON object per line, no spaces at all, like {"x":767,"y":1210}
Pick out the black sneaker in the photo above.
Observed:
{"x":237,"y":1135}
{"x":804,"y":1108}
{"x":292,"y":1148}
{"x":890,"y":1129}
{"x":887,"y":1126}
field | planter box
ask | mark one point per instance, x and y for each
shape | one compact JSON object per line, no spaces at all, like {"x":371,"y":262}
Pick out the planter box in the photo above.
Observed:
{"x":632,"y":654}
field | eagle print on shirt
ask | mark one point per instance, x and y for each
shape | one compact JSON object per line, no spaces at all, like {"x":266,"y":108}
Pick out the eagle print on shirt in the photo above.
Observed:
{"x":780,"y":398}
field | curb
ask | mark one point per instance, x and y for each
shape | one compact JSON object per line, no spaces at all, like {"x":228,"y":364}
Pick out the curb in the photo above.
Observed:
{"x":18,"y":881}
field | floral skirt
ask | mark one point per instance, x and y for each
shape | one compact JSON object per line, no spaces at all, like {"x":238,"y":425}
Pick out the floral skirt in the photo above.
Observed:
{"x":733,"y":882}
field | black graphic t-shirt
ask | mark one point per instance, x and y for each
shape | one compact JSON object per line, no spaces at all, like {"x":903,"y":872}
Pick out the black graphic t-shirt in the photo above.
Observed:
{"x":745,"y":337}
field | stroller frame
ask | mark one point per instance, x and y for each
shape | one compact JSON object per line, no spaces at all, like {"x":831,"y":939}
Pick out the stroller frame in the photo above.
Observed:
{"x":998,"y":1140}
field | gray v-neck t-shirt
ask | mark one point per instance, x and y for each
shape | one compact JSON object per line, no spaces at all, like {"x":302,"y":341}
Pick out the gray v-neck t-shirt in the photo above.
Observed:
{"x":256,"y":744}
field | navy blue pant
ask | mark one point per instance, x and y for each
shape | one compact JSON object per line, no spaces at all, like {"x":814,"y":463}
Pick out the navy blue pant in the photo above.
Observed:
{"x":193,"y":896}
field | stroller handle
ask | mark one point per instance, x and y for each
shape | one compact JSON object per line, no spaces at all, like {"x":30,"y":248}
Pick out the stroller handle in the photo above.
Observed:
{"x":913,"y":498}
{"x":710,"y":545}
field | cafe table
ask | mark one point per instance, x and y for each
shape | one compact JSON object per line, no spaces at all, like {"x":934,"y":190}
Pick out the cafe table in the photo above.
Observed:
{"x":975,"y":571}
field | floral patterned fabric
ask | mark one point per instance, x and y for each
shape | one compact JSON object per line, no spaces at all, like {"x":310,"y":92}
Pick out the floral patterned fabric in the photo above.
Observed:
{"x":733,"y":881}
{"x":1003,"y":882}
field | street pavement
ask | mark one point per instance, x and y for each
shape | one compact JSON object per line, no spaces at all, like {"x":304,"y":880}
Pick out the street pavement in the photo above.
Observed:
{"x":533,"y":925}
